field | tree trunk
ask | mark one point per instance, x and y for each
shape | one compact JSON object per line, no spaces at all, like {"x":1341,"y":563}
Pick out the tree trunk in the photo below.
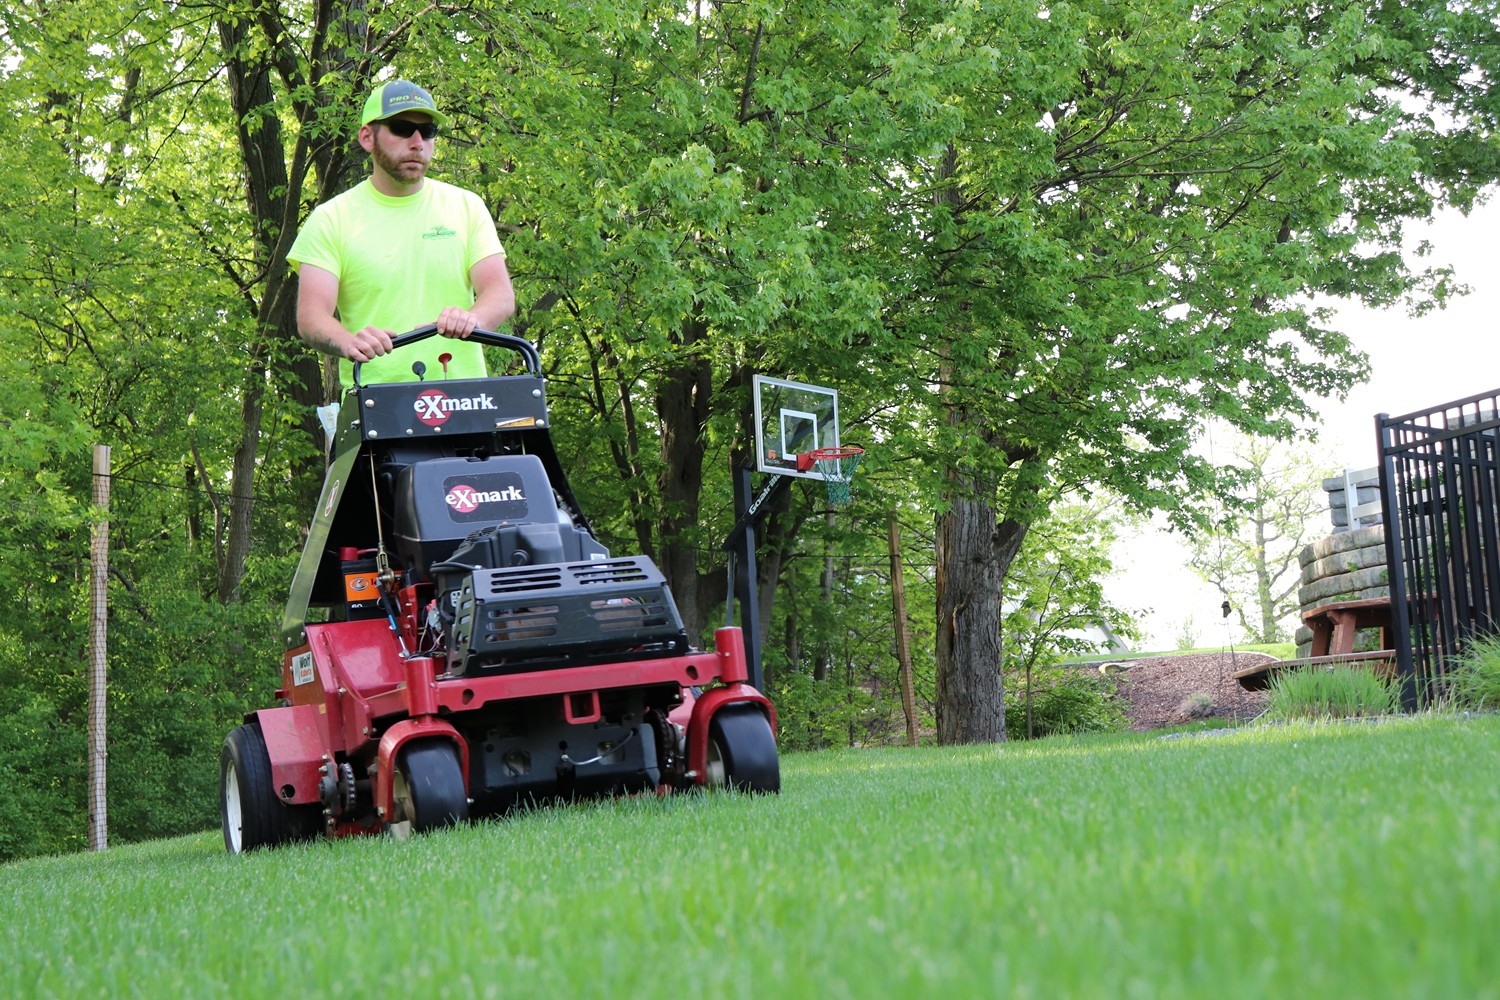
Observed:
{"x":974,"y":551}
{"x":242,"y":483}
{"x":1269,"y":628}
{"x":824,"y":659}
{"x":249,"y":73}
{"x":682,"y":405}
{"x":273,"y":193}
{"x":773,"y":543}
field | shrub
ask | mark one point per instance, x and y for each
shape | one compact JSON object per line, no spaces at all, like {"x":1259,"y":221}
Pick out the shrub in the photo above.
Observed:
{"x":1196,"y":705}
{"x":816,"y":715}
{"x":1474,"y":681}
{"x":1063,"y":700}
{"x":1340,"y":692}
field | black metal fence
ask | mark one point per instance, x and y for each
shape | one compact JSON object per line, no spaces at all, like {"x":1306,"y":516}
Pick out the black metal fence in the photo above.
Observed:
{"x":1439,"y":484}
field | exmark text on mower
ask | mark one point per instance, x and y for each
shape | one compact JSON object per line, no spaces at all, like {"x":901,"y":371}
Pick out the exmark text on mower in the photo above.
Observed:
{"x":476,"y":647}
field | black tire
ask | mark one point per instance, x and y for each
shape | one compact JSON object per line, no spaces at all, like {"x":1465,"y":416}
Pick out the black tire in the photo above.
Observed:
{"x":430,"y":786}
{"x":251,"y":814}
{"x":247,"y":802}
{"x":742,"y":751}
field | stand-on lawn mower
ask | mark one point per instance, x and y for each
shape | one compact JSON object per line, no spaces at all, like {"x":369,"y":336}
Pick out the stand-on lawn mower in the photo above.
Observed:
{"x":480,"y":648}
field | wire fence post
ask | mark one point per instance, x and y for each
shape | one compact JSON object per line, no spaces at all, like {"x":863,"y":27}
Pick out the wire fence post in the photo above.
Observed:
{"x":98,"y":673}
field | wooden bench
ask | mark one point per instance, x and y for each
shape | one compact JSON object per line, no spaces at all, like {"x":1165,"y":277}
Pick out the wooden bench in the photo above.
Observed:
{"x":1334,"y":625}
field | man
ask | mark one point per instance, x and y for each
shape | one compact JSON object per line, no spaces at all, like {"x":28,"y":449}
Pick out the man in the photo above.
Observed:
{"x":398,"y":251}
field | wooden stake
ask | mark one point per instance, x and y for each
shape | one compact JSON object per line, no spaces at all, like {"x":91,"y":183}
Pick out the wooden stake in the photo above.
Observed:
{"x":903,"y":638}
{"x":98,"y":675}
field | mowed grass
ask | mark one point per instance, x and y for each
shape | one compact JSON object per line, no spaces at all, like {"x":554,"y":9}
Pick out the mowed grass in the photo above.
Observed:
{"x":1354,"y":860}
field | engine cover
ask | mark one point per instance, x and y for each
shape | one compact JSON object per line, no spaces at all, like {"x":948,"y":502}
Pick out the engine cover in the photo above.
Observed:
{"x":511,"y":619}
{"x":442,"y":501}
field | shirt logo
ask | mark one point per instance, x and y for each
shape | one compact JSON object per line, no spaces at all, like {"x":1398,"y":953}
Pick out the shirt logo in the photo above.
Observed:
{"x":439,"y":232}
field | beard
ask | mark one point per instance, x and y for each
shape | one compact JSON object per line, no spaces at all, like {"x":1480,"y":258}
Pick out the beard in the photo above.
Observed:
{"x":406,"y":169}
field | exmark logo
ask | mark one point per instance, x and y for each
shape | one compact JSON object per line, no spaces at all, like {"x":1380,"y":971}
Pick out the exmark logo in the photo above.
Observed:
{"x":476,"y":497}
{"x":466,"y":499}
{"x":434,"y":406}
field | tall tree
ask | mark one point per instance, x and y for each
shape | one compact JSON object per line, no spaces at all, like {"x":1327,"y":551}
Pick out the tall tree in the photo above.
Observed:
{"x":679,"y":192}
{"x":1112,"y":237}
{"x":1250,"y":548}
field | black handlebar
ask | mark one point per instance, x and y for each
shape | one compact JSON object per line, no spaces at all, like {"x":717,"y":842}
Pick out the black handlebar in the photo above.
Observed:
{"x":522,"y":347}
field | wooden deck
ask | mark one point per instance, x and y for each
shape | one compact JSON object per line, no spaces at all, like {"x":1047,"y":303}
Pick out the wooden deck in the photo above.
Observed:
{"x":1258,"y":677}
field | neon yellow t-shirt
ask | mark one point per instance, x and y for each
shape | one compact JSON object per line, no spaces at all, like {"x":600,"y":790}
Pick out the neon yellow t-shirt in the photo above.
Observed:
{"x":400,"y":262}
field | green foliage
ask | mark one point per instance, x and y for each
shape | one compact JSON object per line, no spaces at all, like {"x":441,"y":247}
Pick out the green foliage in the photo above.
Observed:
{"x":1340,"y":692}
{"x":1063,"y":700}
{"x":185,"y":670}
{"x":1473,"y":683}
{"x":1055,"y":605}
{"x":42,"y":760}
{"x":830,"y":661}
{"x":1033,"y":252}
{"x":816,"y":715}
{"x":1187,"y":634}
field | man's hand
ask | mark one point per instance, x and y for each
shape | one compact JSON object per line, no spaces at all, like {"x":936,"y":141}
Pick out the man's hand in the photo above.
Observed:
{"x":367,"y":345}
{"x":456,"y":322}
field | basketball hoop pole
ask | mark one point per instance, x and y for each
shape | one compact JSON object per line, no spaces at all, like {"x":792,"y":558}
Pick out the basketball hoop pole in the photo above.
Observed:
{"x":744,"y":586}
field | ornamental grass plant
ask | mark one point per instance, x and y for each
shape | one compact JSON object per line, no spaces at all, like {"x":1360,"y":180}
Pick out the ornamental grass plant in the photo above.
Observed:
{"x":1338,"y":692}
{"x":1474,"y":682}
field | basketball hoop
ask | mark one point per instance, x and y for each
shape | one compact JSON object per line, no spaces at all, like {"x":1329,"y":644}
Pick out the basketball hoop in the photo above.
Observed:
{"x":837,"y":466}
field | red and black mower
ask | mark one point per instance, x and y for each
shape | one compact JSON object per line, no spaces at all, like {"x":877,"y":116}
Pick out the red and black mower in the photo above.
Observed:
{"x":457,"y":642}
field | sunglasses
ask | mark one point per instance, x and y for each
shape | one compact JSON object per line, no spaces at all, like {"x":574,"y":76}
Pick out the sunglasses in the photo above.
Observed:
{"x":402,"y":129}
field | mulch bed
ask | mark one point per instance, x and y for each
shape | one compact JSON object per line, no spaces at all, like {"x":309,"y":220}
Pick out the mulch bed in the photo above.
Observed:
{"x":1167,"y":690}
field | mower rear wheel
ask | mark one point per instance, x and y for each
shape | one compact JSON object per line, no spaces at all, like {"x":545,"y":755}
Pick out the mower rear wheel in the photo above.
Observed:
{"x":742,"y":750}
{"x":429,"y":786}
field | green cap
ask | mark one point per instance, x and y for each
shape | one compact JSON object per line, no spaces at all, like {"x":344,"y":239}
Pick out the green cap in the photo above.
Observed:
{"x":390,"y":99}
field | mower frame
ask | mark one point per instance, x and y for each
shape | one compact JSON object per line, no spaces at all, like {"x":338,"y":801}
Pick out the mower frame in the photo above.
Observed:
{"x":382,"y":724}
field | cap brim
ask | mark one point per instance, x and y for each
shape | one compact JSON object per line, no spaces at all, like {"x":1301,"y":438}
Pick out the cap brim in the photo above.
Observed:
{"x":438,"y":118}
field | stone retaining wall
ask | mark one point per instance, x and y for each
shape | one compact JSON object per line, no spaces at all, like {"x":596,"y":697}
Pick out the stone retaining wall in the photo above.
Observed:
{"x":1348,"y":566}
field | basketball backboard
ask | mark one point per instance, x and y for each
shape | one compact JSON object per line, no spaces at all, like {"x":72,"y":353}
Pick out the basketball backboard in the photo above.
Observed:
{"x":792,"y":418}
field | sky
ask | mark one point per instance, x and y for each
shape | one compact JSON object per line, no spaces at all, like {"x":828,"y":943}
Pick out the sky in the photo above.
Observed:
{"x":1415,"y":364}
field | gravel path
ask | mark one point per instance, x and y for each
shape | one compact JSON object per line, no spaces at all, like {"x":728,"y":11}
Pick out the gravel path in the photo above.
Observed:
{"x":1166,"y":690}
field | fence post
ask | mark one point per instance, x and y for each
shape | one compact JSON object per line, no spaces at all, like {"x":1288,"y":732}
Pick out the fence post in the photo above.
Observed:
{"x":1395,"y":561}
{"x":98,"y":675}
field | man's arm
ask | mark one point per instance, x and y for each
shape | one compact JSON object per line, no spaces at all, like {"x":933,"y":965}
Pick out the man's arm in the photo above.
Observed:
{"x":494,"y":300}
{"x":317,"y":301}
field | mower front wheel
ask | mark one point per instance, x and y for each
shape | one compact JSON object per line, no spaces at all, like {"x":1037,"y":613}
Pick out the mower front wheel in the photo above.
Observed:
{"x":742,"y":750}
{"x":429,"y":786}
{"x":251,"y":814}
{"x":248,"y":807}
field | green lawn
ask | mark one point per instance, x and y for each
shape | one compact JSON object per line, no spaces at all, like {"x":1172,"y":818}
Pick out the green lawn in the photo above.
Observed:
{"x":1286,"y":861}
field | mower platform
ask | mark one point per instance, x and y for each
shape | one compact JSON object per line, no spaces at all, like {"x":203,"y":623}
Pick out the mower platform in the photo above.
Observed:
{"x":458,"y":642}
